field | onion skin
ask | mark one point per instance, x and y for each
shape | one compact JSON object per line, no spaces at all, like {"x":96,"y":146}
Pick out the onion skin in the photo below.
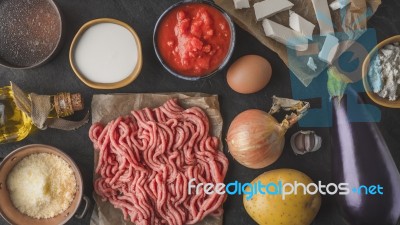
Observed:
{"x":255,"y":139}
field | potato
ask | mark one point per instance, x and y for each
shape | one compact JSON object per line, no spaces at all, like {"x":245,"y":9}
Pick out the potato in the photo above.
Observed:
{"x":270,"y":209}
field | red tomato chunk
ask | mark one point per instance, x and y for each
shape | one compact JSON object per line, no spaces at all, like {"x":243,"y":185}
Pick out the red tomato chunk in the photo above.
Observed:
{"x":193,"y":39}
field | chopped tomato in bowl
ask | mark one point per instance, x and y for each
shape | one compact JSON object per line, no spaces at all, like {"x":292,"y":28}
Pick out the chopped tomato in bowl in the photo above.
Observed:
{"x":194,"y":39}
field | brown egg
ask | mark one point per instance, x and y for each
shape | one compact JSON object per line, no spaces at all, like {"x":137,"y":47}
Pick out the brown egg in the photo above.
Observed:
{"x":249,"y":74}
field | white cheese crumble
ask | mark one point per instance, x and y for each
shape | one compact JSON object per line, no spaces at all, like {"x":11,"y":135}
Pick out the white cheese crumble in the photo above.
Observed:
{"x":311,"y":64}
{"x":384,"y":73}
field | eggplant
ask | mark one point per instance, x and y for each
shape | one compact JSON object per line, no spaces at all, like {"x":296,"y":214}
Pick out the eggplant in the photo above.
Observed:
{"x":360,"y":156}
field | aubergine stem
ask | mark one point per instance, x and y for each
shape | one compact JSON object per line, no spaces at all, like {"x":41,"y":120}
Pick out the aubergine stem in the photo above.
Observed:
{"x":360,"y":156}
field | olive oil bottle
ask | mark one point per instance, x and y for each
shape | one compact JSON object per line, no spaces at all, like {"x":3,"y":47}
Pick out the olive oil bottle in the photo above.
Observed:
{"x":15,"y":125}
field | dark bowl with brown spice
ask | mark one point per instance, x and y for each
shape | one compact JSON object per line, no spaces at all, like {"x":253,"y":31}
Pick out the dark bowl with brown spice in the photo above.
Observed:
{"x":31,"y":32}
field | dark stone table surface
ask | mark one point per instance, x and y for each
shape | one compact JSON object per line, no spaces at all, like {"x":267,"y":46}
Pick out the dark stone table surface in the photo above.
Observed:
{"x":58,"y":76}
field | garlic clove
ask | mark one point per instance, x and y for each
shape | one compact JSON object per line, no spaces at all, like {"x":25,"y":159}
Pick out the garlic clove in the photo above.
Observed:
{"x":305,"y":141}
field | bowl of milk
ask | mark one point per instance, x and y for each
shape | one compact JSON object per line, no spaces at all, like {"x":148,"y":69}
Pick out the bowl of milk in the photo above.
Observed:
{"x":106,"y":54}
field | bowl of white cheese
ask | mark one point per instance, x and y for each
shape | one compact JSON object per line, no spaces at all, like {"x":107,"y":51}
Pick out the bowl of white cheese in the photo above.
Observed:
{"x":40,"y":184}
{"x":381,"y":75}
{"x":106,"y":54}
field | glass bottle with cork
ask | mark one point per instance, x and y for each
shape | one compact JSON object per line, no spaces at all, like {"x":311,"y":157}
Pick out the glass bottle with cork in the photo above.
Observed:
{"x":15,"y":124}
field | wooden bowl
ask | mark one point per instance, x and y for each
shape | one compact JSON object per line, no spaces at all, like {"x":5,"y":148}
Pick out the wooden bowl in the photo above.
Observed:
{"x":373,"y":96}
{"x":7,"y":209}
{"x":92,"y":84}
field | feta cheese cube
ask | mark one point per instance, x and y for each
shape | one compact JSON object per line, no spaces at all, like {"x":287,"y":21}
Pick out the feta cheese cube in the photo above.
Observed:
{"x":299,"y":24}
{"x":268,"y":8}
{"x":323,"y":15}
{"x":241,"y":4}
{"x":329,"y":49}
{"x":290,"y":38}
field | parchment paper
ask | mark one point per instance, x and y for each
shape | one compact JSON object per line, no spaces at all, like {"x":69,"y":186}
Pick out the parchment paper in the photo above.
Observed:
{"x":355,"y":21}
{"x":108,"y":107}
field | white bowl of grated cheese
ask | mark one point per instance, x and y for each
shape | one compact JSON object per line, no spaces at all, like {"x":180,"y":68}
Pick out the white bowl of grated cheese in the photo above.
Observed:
{"x":40,"y":184}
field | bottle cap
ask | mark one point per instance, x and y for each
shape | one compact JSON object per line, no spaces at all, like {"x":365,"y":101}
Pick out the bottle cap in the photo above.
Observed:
{"x":66,"y":104}
{"x":77,"y":101}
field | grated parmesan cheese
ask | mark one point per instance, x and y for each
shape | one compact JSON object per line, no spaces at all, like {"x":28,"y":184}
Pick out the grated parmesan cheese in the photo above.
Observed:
{"x":41,"y":185}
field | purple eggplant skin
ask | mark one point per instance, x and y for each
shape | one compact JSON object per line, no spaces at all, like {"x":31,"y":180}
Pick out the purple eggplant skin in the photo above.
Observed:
{"x":360,"y":156}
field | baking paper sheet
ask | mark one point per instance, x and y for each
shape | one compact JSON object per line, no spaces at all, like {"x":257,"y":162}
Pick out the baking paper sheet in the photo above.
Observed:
{"x":354,"y":18}
{"x":108,"y":107}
